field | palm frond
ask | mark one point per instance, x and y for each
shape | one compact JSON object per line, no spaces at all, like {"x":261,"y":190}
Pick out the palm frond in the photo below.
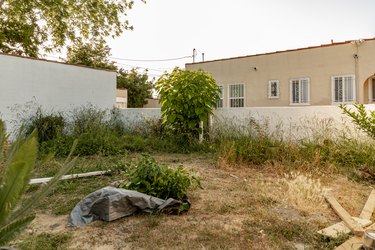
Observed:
{"x":69,"y":163}
{"x":3,"y":139}
{"x":8,"y":232}
{"x":17,"y":174}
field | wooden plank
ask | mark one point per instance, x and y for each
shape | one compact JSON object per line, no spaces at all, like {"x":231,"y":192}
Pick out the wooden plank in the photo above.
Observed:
{"x":340,"y":228}
{"x":67,"y":177}
{"x":369,"y":207}
{"x":354,"y":226}
{"x":354,"y":243}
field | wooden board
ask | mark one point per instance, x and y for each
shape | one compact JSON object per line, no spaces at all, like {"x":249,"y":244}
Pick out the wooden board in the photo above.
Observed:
{"x":354,"y":226}
{"x":369,"y":207}
{"x":335,"y":230}
{"x":354,"y":243}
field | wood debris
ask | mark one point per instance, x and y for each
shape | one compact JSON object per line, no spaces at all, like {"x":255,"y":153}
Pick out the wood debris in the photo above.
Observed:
{"x":353,"y":224}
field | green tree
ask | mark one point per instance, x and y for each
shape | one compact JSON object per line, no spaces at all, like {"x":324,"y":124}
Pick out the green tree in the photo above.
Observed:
{"x":26,"y":26}
{"x":187,"y":97}
{"x":94,"y":54}
{"x":138,"y":86}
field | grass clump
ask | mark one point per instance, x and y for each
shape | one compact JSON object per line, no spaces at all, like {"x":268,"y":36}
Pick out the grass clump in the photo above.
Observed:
{"x":159,"y":180}
{"x":46,"y":241}
{"x":303,"y":191}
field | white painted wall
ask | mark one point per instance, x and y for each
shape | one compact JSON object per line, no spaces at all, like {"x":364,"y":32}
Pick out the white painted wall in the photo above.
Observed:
{"x":54,"y":86}
{"x":289,"y":123}
{"x":139,"y":115}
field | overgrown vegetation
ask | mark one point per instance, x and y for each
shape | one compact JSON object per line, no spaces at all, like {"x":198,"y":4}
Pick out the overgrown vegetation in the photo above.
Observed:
{"x":103,"y":132}
{"x":155,"y":179}
{"x":108,"y":133}
{"x":252,"y":143}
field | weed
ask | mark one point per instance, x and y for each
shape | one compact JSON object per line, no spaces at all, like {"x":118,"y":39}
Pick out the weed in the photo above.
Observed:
{"x":158,"y":180}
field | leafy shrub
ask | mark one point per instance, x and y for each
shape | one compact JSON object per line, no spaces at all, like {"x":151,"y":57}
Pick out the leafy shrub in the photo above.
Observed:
{"x":363,"y":119}
{"x":160,"y":181}
{"x":186,"y":97}
{"x":49,"y":126}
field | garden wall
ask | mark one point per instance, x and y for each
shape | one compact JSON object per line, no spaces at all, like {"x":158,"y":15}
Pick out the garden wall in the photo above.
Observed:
{"x":286,"y":122}
{"x":52,"y":85}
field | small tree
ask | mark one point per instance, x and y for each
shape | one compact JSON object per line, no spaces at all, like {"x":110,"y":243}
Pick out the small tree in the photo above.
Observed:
{"x":363,"y":119}
{"x":187,"y":97}
{"x":138,"y":86}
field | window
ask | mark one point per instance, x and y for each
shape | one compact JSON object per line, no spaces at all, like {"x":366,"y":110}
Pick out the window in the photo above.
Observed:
{"x":236,"y":95}
{"x":273,"y":89}
{"x":299,"y":91}
{"x":343,"y":89}
{"x":220,"y":103}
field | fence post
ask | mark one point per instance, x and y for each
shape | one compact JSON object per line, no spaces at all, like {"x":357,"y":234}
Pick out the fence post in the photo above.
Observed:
{"x":200,"y":131}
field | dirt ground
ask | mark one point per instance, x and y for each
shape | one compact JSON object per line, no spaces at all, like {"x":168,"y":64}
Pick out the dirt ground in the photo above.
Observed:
{"x":239,"y":207}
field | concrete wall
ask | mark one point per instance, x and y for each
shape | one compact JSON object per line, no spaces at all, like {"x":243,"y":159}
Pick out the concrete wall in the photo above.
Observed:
{"x":152,"y":103}
{"x":54,"y":86}
{"x":289,"y":123}
{"x":319,"y":64}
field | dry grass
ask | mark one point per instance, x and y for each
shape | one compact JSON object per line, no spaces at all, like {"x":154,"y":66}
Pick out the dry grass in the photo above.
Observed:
{"x":304,"y":192}
{"x":240,"y":207}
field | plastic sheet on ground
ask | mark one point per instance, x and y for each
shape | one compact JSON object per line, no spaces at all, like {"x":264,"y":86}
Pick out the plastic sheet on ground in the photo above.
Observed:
{"x":111,"y":203}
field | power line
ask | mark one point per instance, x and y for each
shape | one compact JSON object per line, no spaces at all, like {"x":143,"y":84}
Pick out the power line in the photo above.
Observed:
{"x":139,"y":67}
{"x":150,"y":60}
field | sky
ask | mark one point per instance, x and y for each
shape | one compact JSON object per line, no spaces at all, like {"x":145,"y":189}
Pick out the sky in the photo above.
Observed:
{"x":168,"y":29}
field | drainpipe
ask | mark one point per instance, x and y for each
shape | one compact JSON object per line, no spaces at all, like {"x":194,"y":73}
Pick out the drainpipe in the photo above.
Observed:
{"x":356,"y":43}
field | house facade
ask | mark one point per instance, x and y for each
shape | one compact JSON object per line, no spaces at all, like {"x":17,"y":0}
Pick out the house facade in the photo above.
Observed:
{"x":328,"y":74}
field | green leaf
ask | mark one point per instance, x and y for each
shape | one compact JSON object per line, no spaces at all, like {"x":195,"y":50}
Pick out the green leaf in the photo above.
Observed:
{"x":171,"y":118}
{"x":8,"y":232}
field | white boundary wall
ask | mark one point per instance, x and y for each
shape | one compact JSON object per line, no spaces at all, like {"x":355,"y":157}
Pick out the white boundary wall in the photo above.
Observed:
{"x":283,"y":122}
{"x":53,"y":86}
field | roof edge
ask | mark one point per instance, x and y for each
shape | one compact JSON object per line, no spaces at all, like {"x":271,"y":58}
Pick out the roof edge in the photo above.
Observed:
{"x":282,"y":51}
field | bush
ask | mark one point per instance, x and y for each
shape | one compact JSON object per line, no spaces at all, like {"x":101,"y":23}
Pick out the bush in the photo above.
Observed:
{"x":49,"y":126}
{"x":87,"y":118}
{"x":160,"y":181}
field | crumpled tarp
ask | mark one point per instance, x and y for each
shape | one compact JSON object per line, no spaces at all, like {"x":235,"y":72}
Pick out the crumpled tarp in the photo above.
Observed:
{"x":110,"y":203}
